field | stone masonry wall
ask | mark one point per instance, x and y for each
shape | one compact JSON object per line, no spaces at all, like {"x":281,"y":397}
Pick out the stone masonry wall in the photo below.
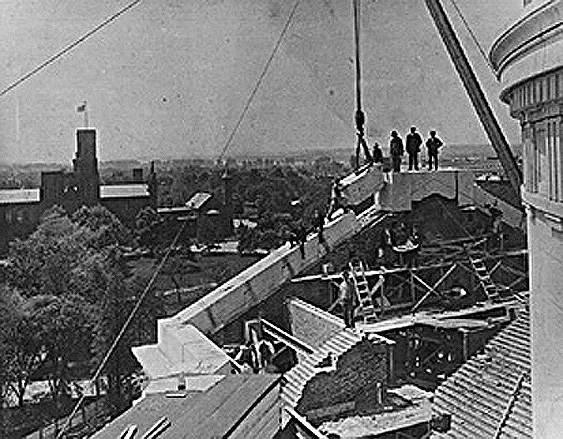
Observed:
{"x":351,"y":386}
{"x":312,"y":325}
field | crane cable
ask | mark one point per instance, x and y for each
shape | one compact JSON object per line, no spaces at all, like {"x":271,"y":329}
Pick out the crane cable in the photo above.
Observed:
{"x":259,"y":82}
{"x":69,"y":47}
{"x":124,"y":327}
{"x":474,"y":38}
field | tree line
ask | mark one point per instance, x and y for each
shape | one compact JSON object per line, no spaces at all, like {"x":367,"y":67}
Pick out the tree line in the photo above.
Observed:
{"x":66,"y":293}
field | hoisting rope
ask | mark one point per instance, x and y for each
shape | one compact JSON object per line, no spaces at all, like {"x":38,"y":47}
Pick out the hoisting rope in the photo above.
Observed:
{"x":360,"y":116}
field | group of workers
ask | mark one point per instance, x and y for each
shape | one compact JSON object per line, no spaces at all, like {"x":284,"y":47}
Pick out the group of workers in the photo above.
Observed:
{"x":413,"y":147}
{"x":255,"y":357}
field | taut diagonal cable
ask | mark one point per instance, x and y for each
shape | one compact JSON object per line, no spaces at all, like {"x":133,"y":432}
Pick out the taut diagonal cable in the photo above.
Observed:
{"x":71,"y":46}
{"x":259,"y":82}
{"x":124,"y":327}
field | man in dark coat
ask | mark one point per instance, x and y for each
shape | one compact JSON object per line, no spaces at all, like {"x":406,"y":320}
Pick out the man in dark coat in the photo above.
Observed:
{"x":413,"y":148}
{"x":397,"y":151}
{"x":433,"y":144}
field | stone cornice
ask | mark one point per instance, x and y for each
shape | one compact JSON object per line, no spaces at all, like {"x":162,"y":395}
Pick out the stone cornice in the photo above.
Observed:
{"x":538,"y":26}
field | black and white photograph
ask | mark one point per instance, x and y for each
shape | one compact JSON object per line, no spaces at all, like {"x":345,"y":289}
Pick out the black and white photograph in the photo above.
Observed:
{"x":281,"y":219}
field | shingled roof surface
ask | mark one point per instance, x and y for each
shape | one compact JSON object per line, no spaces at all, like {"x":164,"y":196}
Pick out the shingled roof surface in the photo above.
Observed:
{"x":296,"y":379}
{"x":490,"y":395}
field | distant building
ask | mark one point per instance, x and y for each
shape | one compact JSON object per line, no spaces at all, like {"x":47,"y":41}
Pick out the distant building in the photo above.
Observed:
{"x":529,"y":55}
{"x":209,"y":215}
{"x":20,"y":209}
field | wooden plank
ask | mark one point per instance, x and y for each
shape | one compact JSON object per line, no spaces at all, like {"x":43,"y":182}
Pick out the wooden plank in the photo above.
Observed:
{"x":430,"y":318}
{"x":263,"y":413}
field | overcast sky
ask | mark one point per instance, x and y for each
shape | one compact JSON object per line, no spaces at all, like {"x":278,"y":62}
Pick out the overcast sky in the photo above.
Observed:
{"x":171,"y":77}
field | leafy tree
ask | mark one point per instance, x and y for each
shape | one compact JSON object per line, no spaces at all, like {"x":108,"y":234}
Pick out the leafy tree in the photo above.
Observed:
{"x":63,"y":326}
{"x":43,"y":264}
{"x":72,"y":278}
{"x":21,"y":348}
{"x":105,"y":228}
{"x":148,"y":224}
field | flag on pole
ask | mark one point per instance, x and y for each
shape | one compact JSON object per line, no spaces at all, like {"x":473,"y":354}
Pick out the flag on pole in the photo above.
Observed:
{"x":81,"y":108}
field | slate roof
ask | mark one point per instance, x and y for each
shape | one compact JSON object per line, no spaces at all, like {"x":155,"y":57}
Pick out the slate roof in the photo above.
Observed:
{"x":19,"y":196}
{"x":206,"y":414}
{"x":298,"y":376}
{"x":480,"y":393}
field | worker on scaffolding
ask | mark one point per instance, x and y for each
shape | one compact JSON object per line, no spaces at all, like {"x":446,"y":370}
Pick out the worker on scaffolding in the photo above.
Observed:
{"x":247,"y":358}
{"x":337,"y":199}
{"x":346,"y":298}
{"x":496,"y":236}
{"x":362,"y":144}
{"x":266,"y":351}
{"x":318,"y":224}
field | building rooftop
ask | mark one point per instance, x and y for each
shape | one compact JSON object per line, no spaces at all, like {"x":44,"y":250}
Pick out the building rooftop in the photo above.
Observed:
{"x":17,"y":196}
{"x":198,"y":200}
{"x":213,"y":411}
{"x":416,"y":410}
{"x":182,"y":349}
{"x":490,"y":395}
{"x":501,"y":189}
{"x":305,"y":370}
{"x":124,"y":190}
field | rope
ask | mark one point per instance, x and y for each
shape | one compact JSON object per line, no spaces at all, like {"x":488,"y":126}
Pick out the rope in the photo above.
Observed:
{"x":71,"y":46}
{"x":259,"y":82}
{"x":124,"y":328}
{"x":474,"y":38}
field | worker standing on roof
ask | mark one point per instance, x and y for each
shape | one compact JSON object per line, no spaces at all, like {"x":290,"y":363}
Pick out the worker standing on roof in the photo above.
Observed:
{"x":413,"y":148}
{"x":397,"y":151}
{"x":433,"y":144}
{"x":319,"y":224}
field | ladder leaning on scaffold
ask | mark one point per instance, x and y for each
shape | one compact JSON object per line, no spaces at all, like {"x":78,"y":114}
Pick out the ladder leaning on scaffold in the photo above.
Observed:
{"x":363,"y":292}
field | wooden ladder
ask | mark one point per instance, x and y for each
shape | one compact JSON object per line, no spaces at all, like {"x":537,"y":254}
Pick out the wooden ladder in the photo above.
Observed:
{"x":490,"y":288}
{"x":362,"y":292}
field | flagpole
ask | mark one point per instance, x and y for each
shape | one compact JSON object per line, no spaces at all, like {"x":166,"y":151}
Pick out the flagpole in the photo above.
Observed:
{"x":85,"y":114}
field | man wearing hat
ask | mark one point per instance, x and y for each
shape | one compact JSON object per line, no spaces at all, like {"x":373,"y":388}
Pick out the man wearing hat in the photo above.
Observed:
{"x":397,"y":151}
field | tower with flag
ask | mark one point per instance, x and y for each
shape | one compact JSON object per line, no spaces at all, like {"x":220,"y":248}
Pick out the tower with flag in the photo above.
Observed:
{"x":83,"y":108}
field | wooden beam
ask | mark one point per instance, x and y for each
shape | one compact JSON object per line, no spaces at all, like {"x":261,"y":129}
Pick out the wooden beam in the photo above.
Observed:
{"x":304,"y":424}
{"x":495,"y":267}
{"x":285,"y":337}
{"x":386,"y":271}
{"x":432,"y":289}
